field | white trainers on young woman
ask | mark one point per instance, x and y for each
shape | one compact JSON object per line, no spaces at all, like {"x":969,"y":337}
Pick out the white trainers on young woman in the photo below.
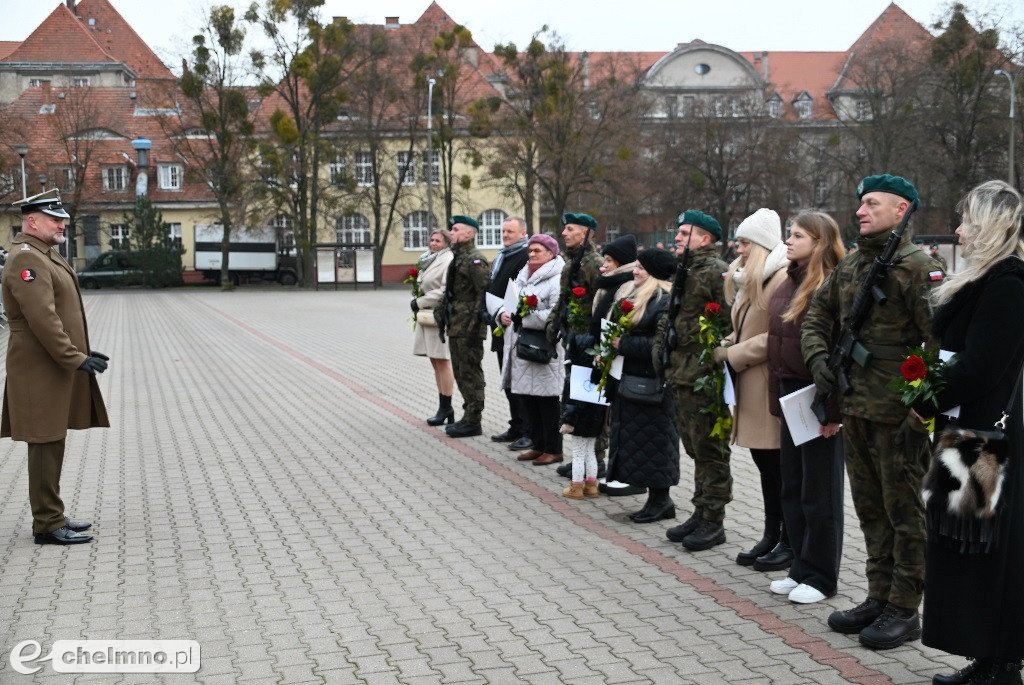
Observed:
{"x":805,"y":594}
{"x":784,"y":586}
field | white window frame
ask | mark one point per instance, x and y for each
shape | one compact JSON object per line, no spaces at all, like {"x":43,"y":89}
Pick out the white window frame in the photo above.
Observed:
{"x":120,"y":236}
{"x":406,"y":161}
{"x":115,"y":178}
{"x":353,"y":228}
{"x":775,"y":108}
{"x":64,"y":178}
{"x":804,"y":106}
{"x":338,"y":170}
{"x":285,"y":233}
{"x":863,"y":109}
{"x":432,"y":171}
{"x":170,"y":176}
{"x":416,"y":230}
{"x":36,"y":82}
{"x":364,"y":169}
{"x":174,"y":229}
{"x":489,"y":235}
{"x":820,"y":191}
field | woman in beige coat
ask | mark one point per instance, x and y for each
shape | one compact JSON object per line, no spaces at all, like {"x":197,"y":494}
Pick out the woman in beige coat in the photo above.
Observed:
{"x":433,"y":271}
{"x":752,"y":279}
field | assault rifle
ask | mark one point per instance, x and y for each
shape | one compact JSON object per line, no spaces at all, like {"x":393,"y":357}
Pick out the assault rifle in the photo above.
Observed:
{"x":848,"y":347}
{"x":561,"y":315}
{"x":675,"y":302}
{"x":442,"y":315}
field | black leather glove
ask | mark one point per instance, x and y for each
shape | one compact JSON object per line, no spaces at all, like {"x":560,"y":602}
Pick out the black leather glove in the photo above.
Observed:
{"x":102,"y":356}
{"x":415,"y":307}
{"x":94,"y":364}
{"x":517,"y":321}
{"x":824,"y":379}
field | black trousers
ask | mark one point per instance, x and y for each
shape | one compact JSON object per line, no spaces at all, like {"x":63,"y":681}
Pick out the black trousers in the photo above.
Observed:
{"x":518,"y":424}
{"x":812,"y":503}
{"x":543,"y":415}
{"x":767,"y":462}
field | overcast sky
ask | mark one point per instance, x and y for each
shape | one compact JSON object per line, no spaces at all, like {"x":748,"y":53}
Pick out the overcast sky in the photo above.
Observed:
{"x":634,"y":25}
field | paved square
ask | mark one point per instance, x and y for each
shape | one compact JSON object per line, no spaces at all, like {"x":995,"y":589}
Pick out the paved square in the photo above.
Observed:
{"x":270,"y":489}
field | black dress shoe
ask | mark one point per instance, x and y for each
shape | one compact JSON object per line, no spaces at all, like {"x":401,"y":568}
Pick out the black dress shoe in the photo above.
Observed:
{"x":565,"y":470}
{"x":708,"y":535}
{"x":677,"y":533}
{"x":77,"y":526}
{"x":778,"y":559}
{"x":523,"y":443}
{"x":856,"y":619}
{"x":766,"y":545}
{"x":895,"y":626}
{"x":657,"y":512}
{"x":463,"y":429}
{"x":62,"y":536}
{"x":964,"y":676}
{"x":621,"y":490}
{"x":507,"y":436}
{"x":601,"y":470}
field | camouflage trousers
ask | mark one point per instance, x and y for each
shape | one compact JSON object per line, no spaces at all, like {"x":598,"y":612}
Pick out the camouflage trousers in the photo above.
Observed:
{"x":885,"y":465}
{"x":467,"y":355}
{"x":712,"y":479}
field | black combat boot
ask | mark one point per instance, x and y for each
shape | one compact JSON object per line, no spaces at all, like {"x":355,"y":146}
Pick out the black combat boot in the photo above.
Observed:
{"x":895,"y":626}
{"x":444,"y":411}
{"x":858,"y":618}
{"x":965,"y":675}
{"x":677,"y":533}
{"x":707,"y":535}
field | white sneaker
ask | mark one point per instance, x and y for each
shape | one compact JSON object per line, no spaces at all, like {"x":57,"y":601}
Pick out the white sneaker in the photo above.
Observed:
{"x":784,"y":586}
{"x":805,"y":594}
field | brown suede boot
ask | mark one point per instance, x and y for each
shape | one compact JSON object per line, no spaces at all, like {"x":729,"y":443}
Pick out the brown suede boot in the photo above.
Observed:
{"x":574,"y":491}
{"x":590,"y":489}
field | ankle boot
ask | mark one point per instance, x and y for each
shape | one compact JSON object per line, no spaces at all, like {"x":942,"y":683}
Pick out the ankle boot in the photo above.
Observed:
{"x":444,"y":411}
{"x":590,"y":489}
{"x":999,"y":673}
{"x":772,"y":528}
{"x":779,"y":559}
{"x":965,"y":675}
{"x":574,"y":491}
{"x":660,"y":507}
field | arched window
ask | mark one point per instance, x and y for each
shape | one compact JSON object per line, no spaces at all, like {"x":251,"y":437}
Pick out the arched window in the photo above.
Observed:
{"x":416,"y":230}
{"x":353,"y":228}
{"x":489,"y":235}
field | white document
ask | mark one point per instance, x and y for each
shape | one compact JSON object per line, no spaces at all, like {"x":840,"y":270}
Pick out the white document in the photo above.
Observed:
{"x":580,"y":387}
{"x":729,"y":391}
{"x":511,"y":300}
{"x":802,"y":423}
{"x":954,"y":413}
{"x":616,"y":370}
{"x":493,"y":304}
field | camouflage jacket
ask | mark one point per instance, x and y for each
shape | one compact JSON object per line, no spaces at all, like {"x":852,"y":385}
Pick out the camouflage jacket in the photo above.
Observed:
{"x":903,"y":321}
{"x":705,"y":283}
{"x":586,"y":277}
{"x":468,"y":276}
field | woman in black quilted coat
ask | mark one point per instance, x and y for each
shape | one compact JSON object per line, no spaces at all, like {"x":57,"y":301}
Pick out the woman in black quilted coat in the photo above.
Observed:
{"x":644,"y":449}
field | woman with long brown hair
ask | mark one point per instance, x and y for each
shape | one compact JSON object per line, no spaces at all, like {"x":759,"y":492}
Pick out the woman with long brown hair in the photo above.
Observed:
{"x":812,"y":473}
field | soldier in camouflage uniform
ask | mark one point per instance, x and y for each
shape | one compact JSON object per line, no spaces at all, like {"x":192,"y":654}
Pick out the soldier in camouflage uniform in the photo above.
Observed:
{"x":468,"y":276}
{"x":712,"y":478}
{"x":577,"y":233}
{"x":886,"y":447}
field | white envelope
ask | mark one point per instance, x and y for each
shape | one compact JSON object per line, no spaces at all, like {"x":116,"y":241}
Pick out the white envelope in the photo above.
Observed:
{"x":796,"y":407}
{"x":580,"y":387}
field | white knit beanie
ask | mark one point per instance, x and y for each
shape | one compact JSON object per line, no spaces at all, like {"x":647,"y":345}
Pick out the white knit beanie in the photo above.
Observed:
{"x":762,"y":227}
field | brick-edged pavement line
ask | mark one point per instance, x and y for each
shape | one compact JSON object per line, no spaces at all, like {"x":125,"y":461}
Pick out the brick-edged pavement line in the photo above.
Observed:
{"x":847,"y":665}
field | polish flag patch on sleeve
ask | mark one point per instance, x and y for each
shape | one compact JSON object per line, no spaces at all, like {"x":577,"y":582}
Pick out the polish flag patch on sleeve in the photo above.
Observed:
{"x":936,"y":275}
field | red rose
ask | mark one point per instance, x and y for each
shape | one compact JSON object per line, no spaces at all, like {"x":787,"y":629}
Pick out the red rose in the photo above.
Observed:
{"x":414,"y":272}
{"x":531,"y":300}
{"x":579,"y":291}
{"x":627,"y":306}
{"x":712,"y":309}
{"x":914,"y":369}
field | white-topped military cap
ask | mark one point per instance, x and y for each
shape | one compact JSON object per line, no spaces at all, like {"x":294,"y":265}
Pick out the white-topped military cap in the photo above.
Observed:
{"x":47,"y":202}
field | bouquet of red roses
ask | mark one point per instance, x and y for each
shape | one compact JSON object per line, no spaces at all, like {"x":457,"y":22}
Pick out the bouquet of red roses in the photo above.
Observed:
{"x":712,"y":330}
{"x":413,"y":278}
{"x":920,"y":379}
{"x":620,"y":323}
{"x":577,"y":319}
{"x":527,"y":303}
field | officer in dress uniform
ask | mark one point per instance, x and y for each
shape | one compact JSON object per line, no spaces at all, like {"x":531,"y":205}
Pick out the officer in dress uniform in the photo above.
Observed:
{"x":468,"y":276}
{"x":51,"y":370}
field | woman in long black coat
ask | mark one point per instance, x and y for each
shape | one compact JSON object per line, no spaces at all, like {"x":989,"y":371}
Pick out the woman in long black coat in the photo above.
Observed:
{"x":973,"y":599}
{"x":644,"y":445}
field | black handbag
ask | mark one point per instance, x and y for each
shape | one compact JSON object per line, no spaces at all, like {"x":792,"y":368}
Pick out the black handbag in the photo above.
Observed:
{"x":640,"y":389}
{"x":533,"y":346}
{"x":964,"y":488}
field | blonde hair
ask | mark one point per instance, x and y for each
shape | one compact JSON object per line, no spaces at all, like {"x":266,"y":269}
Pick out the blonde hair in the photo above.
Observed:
{"x":991,"y":225}
{"x":828,"y":250}
{"x":752,"y":287}
{"x":642,"y":294}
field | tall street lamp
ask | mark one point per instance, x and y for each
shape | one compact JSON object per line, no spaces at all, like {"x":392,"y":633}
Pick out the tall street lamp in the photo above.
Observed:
{"x":22,"y":150}
{"x":1013,"y":99}
{"x":430,"y":152}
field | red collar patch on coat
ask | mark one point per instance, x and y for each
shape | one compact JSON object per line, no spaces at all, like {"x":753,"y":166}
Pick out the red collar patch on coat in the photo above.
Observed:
{"x":28,"y":275}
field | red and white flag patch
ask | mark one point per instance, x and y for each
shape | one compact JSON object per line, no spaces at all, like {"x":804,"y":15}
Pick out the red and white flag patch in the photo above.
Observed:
{"x":936,"y":275}
{"x":28,"y":275}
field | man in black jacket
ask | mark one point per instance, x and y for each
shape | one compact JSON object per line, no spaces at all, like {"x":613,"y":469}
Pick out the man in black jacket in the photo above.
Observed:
{"x":507,"y":265}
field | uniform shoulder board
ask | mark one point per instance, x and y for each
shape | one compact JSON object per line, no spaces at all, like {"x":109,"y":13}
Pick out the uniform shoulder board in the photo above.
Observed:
{"x":936,"y":275}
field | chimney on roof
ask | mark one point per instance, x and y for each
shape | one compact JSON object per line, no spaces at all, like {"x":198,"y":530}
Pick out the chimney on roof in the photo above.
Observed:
{"x":46,"y":92}
{"x":339,"y":20}
{"x":71,"y":6}
{"x":391,"y":22}
{"x":764,"y":65}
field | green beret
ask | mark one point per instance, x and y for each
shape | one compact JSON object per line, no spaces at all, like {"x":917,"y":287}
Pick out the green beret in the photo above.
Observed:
{"x":580,"y":219}
{"x":463,"y":219}
{"x":705,"y":221}
{"x":887,"y":183}
{"x":919,"y":241}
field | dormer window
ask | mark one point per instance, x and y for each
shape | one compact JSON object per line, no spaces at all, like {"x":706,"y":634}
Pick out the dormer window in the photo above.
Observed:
{"x":804,"y":105}
{"x":775,"y":106}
